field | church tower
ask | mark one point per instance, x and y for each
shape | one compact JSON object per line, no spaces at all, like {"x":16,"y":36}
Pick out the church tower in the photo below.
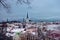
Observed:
{"x":27,"y":18}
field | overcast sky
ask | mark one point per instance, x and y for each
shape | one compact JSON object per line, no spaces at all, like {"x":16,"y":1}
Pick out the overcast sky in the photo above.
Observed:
{"x":40,"y":9}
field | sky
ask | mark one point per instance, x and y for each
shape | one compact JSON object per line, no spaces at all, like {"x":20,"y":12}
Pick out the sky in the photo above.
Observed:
{"x":40,"y":9}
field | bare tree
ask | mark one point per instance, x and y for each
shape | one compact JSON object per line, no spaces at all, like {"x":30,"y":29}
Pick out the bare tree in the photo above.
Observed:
{"x":7,"y":6}
{"x":27,"y":2}
{"x":4,"y":4}
{"x":24,"y":1}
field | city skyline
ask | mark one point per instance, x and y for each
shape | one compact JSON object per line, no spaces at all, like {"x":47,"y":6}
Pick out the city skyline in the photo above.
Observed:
{"x":40,"y":9}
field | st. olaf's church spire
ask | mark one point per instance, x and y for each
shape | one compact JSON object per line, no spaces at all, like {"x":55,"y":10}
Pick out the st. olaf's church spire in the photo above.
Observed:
{"x":27,"y":15}
{"x":27,"y":18}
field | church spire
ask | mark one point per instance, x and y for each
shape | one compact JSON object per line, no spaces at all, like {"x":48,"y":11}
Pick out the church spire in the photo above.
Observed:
{"x":27,"y":15}
{"x":27,"y":18}
{"x":7,"y":19}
